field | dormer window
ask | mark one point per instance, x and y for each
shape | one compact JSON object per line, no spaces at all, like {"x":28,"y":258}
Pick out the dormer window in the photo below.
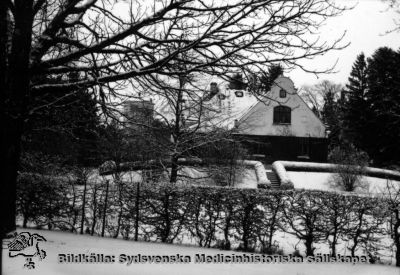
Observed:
{"x":239,"y":93}
{"x":282,"y":93}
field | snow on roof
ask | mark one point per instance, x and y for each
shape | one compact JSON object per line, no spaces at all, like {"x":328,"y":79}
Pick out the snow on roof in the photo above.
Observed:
{"x":224,"y":108}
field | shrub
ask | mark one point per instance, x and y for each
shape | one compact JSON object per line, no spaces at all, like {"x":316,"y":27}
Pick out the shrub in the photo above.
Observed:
{"x":303,"y":217}
{"x":250,"y":247}
{"x":223,"y":245}
{"x":351,"y":163}
{"x":272,"y":250}
{"x":287,"y":185}
{"x":296,"y":253}
{"x":40,"y":198}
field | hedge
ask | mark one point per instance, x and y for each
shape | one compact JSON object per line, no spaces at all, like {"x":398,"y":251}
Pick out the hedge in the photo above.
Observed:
{"x":227,"y":218}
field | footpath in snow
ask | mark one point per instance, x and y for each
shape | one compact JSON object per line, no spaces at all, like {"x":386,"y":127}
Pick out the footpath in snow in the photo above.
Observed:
{"x":67,"y":243}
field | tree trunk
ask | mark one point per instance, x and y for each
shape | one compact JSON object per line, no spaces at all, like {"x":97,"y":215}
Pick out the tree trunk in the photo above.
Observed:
{"x":354,"y":247}
{"x":228,"y":220}
{"x":25,"y":221}
{"x":94,"y":202}
{"x":73,"y":210}
{"x":272,"y":229}
{"x":137,"y":211}
{"x":120,"y":208}
{"x":176,"y":134}
{"x":14,"y":100}
{"x":397,"y":242}
{"x":396,"y":236}
{"x":7,"y":202}
{"x":93,"y":223}
{"x":246,"y":228}
{"x":83,"y":206}
{"x":334,"y":241}
{"x":357,"y":234}
{"x":355,"y":242}
{"x":309,"y":246}
{"x":167,"y":228}
{"x":118,"y":223}
{"x":105,"y":209}
{"x":174,"y":169}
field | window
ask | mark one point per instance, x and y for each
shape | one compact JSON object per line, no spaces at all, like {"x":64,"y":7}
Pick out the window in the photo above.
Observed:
{"x":282,"y":115}
{"x":282,"y":93}
{"x":239,"y":93}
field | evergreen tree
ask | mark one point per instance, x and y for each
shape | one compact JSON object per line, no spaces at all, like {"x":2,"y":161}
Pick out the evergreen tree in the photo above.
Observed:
{"x":260,"y":83}
{"x":236,"y":82}
{"x":355,"y":107}
{"x":383,"y":98}
{"x":65,"y":126}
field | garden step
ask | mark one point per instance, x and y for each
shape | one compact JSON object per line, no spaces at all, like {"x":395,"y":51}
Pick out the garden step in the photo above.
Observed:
{"x":273,"y":179}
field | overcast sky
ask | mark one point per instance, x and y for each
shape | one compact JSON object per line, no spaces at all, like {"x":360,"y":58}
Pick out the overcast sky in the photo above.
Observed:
{"x":365,"y":28}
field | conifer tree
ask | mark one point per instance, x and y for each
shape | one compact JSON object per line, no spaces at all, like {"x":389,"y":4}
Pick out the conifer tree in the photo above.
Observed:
{"x":355,"y":113}
{"x":383,"y":98}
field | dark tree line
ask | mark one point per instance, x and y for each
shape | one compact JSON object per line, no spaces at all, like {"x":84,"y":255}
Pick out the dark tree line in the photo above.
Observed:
{"x":371,"y":110}
{"x":65,"y":126}
{"x":364,"y":114}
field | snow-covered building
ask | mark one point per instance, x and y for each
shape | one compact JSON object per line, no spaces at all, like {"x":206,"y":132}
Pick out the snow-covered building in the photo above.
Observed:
{"x":278,"y":126}
{"x":281,"y":126}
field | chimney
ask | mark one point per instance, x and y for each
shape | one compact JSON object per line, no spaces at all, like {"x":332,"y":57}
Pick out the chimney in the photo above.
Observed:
{"x":236,"y":124}
{"x":213,"y":91}
{"x":214,"y":88}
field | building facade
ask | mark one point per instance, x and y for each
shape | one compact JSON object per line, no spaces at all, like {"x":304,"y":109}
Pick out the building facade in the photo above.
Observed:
{"x":278,"y":126}
{"x":283,"y":127}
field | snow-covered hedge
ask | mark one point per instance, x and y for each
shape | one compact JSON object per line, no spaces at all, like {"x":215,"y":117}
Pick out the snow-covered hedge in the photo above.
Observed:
{"x":228,"y":218}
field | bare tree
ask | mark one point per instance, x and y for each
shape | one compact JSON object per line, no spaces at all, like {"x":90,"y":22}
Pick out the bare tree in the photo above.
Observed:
{"x":107,"y":42}
{"x":94,"y":205}
{"x":336,"y":219}
{"x":315,"y":95}
{"x":366,"y":218}
{"x":273,"y":204}
{"x":303,"y":218}
{"x":82,"y":178}
{"x":191,"y":114}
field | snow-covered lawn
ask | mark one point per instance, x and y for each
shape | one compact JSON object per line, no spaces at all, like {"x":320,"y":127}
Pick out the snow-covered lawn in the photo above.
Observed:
{"x":323,"y":181}
{"x":63,"y":243}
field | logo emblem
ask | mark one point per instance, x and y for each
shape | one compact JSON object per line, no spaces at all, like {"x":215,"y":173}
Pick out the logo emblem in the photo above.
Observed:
{"x":27,"y":245}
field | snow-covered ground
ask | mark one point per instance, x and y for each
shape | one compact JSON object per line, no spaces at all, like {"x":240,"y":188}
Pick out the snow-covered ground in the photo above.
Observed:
{"x":67,"y":243}
{"x":245,"y":178}
{"x":323,"y":181}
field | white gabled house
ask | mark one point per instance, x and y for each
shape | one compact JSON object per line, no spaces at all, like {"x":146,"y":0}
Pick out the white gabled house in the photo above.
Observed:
{"x":280,"y":127}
